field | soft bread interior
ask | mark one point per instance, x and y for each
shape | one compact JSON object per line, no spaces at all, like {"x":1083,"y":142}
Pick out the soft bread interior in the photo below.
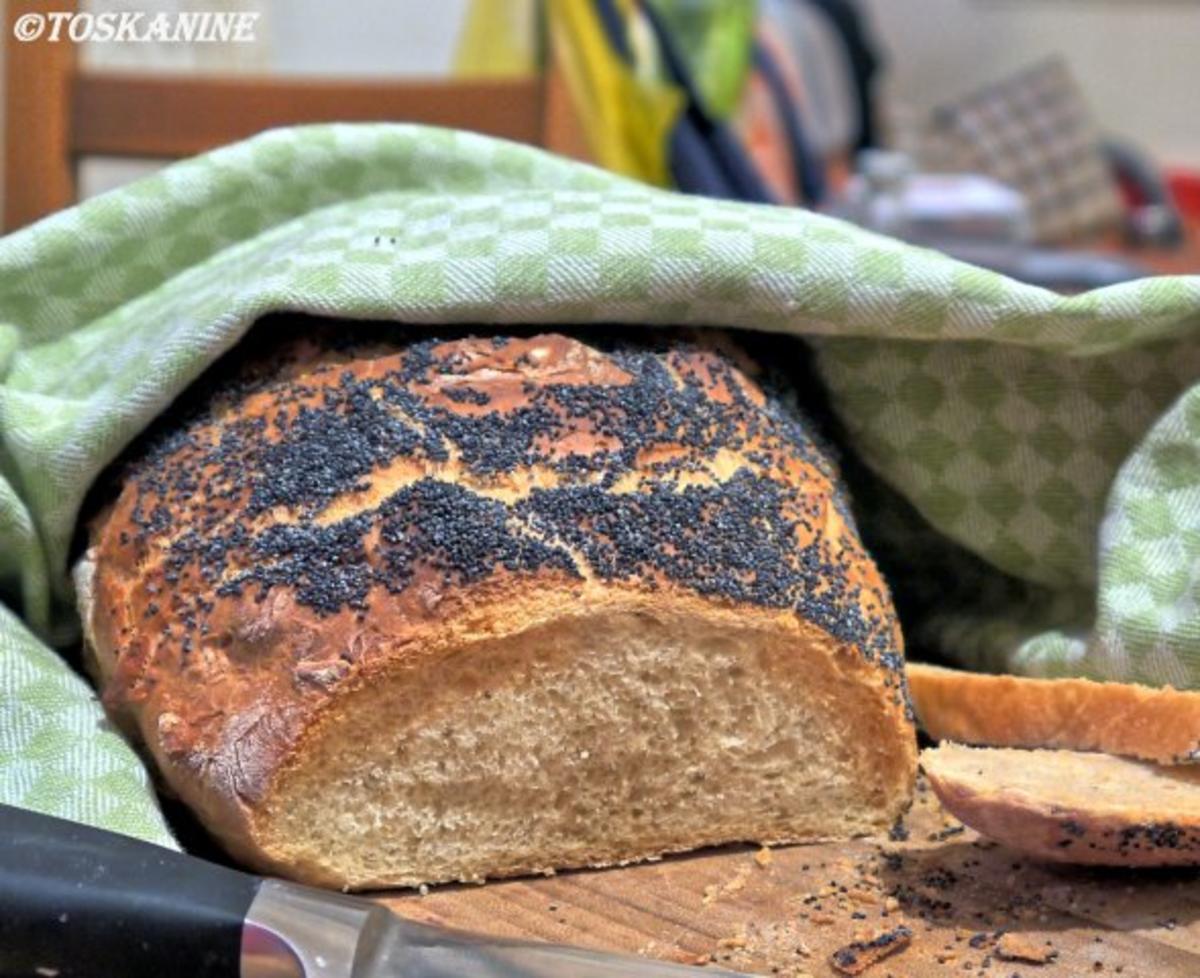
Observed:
{"x":591,"y":740}
{"x":1097,"y":783}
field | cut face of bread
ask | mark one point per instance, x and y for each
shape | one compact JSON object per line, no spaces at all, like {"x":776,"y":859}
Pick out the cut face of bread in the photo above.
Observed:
{"x":433,"y":609}
{"x":1160,"y":725}
{"x":1072,"y":807}
{"x":592,"y":739}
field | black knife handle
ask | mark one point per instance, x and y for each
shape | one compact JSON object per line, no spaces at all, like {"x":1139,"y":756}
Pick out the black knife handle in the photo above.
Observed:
{"x":79,"y":902}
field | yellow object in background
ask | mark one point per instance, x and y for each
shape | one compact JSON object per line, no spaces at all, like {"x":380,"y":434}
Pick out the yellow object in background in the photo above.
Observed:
{"x":626,"y":116}
{"x":499,"y":39}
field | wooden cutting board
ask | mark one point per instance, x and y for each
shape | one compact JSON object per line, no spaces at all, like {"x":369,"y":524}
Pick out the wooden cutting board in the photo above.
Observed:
{"x":786,"y":911}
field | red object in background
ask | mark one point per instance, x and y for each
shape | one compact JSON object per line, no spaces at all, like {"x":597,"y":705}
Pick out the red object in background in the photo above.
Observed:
{"x":1185,"y":188}
{"x":1131,"y":194}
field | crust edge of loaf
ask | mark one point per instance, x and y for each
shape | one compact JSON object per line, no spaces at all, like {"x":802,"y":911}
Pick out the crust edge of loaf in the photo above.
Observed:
{"x":1159,"y":725}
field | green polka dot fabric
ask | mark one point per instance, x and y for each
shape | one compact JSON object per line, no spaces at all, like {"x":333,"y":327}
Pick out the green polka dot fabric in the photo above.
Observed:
{"x":1037,"y":457}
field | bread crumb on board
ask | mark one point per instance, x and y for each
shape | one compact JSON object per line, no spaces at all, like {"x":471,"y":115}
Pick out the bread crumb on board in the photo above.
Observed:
{"x":763,"y":857}
{"x":970,"y":909}
{"x":1011,"y":947}
{"x":738,"y":883}
{"x":857,"y":957}
{"x":680,"y":956}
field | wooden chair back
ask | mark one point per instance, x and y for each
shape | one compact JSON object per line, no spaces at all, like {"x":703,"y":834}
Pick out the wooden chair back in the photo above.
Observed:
{"x":57,"y":112}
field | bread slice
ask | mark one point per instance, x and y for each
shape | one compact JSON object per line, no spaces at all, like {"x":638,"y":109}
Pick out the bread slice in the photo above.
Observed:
{"x":450,"y":609}
{"x":1068,"y":806}
{"x":1160,"y":725}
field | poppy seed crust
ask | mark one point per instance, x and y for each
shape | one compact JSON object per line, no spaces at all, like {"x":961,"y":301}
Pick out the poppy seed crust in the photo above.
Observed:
{"x":348,"y":472}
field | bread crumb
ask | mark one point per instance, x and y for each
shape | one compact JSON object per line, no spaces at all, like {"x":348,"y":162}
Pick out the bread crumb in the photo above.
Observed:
{"x":680,"y":956}
{"x":711,"y":892}
{"x":854,"y":959}
{"x":824,"y":919}
{"x":763,"y":857}
{"x":738,"y":883}
{"x":890,"y":904}
{"x":738,"y":940}
{"x":1011,"y":947}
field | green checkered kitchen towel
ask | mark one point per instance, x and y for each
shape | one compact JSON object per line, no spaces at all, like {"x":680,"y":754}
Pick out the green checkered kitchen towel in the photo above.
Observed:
{"x":1035,"y":459}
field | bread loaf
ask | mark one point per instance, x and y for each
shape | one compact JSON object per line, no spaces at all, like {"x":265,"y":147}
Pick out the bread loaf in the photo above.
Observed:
{"x":1161,"y":725}
{"x":1070,"y":806}
{"x":432,"y":609}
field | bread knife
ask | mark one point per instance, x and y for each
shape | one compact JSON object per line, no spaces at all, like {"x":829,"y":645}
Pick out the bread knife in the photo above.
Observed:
{"x":80,"y":902}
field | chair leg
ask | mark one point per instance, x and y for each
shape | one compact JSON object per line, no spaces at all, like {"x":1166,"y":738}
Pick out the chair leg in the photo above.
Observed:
{"x":39,"y":167}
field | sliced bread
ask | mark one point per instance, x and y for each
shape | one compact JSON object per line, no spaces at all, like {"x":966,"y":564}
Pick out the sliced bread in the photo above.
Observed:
{"x":1068,"y":806}
{"x":1160,"y":725}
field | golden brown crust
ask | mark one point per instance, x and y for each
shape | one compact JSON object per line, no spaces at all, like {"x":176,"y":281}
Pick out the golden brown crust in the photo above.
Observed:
{"x":330,"y":510}
{"x":1073,"y":807}
{"x":1161,"y":725}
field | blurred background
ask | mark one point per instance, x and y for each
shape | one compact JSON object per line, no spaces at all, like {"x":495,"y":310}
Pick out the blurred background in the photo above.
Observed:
{"x":1055,"y":140}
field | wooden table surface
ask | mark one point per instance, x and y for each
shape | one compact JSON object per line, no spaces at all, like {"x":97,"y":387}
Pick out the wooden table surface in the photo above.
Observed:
{"x":785,"y":912}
